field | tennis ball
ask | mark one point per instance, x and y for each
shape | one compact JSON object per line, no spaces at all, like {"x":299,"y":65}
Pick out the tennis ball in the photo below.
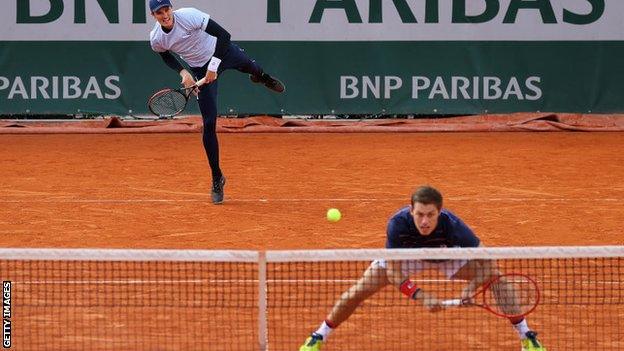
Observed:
{"x":333,"y":215}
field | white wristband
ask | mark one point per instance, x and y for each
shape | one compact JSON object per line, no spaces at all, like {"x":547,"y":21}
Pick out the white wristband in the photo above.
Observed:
{"x":214,"y":63}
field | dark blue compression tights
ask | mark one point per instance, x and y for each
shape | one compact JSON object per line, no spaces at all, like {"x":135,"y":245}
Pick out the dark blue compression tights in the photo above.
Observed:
{"x":235,"y":58}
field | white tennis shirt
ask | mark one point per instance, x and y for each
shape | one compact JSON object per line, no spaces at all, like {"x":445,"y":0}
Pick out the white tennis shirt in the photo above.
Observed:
{"x":188,"y":38}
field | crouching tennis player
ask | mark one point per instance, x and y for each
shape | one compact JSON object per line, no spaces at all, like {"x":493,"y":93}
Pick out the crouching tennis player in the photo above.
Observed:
{"x":424,"y":224}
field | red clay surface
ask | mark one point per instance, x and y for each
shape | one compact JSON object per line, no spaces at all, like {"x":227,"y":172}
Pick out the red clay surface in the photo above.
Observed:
{"x":152,"y":190}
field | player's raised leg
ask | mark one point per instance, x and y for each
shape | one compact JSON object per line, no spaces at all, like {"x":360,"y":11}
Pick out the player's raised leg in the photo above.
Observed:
{"x":238,"y":59}
{"x":270,"y":82}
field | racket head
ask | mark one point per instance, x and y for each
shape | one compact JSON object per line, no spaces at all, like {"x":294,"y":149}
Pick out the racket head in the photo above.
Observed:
{"x":511,"y":295}
{"x":167,"y":103}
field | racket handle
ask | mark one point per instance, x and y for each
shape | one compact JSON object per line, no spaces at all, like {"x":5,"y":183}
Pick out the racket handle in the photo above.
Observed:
{"x":452,"y":303}
{"x":200,"y":82}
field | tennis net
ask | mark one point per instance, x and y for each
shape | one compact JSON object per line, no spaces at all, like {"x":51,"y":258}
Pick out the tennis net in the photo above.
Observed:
{"x":74,"y":299}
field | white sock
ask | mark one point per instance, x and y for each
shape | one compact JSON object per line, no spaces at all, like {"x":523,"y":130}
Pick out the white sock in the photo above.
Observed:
{"x":522,"y":328}
{"x":324,"y":330}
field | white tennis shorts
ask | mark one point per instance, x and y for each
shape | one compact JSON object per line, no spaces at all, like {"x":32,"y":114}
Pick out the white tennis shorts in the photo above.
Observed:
{"x":448,"y":268}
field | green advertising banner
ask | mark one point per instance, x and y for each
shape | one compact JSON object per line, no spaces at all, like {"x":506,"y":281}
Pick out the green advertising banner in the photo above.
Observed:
{"x":335,"y":56}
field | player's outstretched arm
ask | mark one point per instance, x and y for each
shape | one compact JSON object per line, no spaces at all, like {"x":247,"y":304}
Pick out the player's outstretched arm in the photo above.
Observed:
{"x":410,"y":289}
{"x":429,"y":300}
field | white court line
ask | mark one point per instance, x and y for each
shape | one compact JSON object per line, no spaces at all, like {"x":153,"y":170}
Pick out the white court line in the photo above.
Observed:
{"x":293,"y":200}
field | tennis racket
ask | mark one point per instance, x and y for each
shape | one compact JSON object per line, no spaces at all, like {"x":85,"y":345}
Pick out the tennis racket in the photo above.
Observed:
{"x":167,"y":103}
{"x":509,"y":295}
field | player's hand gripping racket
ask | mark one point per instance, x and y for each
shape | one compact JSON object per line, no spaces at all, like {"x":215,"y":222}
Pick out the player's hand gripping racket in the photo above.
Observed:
{"x":509,"y":295}
{"x":168,"y":103}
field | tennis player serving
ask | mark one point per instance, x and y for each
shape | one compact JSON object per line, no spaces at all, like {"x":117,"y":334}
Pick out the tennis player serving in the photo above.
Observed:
{"x":426,"y":224}
{"x":205,"y":46}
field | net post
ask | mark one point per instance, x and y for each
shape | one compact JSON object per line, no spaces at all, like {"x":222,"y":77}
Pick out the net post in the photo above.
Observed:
{"x":262,"y":301}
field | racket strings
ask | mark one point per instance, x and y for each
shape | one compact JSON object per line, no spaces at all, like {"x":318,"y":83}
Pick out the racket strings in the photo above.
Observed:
{"x":168,"y":103}
{"x":512,"y":296}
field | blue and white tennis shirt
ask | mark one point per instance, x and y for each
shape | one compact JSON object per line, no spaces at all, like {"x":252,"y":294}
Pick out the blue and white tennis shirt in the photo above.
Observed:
{"x":188,"y":38}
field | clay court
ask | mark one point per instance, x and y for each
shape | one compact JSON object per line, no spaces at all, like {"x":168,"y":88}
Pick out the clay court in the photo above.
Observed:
{"x":152,"y":191}
{"x":116,"y":115}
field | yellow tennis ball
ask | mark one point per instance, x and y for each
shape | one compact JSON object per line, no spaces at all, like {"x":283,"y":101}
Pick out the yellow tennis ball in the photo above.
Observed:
{"x":333,"y":215}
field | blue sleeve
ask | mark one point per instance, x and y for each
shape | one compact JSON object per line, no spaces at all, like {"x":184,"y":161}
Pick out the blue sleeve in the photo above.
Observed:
{"x":171,"y":61}
{"x":392,"y":235}
{"x":464,"y":236}
{"x":223,"y":38}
